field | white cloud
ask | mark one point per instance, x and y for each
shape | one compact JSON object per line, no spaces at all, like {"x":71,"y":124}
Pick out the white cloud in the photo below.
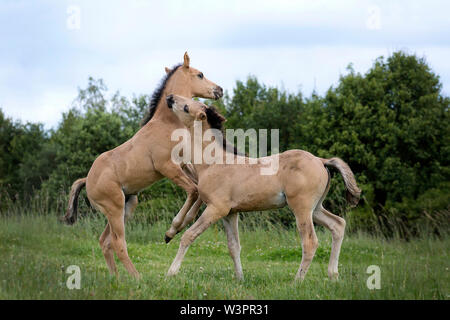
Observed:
{"x":295,"y":44}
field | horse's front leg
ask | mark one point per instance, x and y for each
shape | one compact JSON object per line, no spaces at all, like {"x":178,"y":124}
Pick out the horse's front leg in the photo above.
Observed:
{"x":180,"y":178}
{"x":210,"y":215}
{"x":182,"y":216}
{"x":189,"y":217}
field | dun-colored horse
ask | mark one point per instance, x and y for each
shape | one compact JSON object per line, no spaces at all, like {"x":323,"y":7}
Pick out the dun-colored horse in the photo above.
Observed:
{"x":116,"y":176}
{"x":301,"y":182}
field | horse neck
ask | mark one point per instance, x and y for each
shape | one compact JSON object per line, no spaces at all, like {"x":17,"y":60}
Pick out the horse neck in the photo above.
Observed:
{"x":218,"y":144}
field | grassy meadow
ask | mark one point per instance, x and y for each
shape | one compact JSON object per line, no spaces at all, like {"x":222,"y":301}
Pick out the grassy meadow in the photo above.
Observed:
{"x":35,"y":251}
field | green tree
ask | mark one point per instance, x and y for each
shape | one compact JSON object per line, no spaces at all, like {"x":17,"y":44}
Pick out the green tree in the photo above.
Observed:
{"x":392,"y":126}
{"x":93,"y":125}
{"x":257,"y":106}
{"x":18,"y":144}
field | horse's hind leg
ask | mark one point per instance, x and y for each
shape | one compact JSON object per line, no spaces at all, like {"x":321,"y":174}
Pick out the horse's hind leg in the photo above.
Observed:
{"x":119,"y":244}
{"x":105,"y":238}
{"x":130,"y":204}
{"x":337,"y":227}
{"x":108,"y":252}
{"x":113,"y":208}
{"x":230,"y":223}
{"x":302,"y":208}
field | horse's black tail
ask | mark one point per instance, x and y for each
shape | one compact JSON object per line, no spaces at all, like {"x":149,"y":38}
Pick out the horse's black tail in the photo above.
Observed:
{"x":353,"y":192}
{"x":71,"y":213}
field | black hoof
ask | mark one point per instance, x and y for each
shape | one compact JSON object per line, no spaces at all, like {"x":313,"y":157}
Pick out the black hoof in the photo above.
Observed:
{"x":167,"y":239}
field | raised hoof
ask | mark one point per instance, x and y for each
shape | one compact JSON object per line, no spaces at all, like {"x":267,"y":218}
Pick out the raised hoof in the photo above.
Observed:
{"x":167,"y":239}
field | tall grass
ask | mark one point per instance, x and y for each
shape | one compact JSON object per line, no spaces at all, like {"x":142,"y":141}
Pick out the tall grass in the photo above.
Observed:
{"x":35,"y":251}
{"x":378,"y":222}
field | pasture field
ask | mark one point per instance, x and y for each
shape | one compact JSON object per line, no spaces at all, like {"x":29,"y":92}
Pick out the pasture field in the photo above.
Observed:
{"x":35,"y":251}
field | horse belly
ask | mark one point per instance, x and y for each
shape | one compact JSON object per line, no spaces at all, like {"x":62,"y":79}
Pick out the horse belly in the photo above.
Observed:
{"x":137,"y":174}
{"x":134,"y":186}
{"x":261,"y":201}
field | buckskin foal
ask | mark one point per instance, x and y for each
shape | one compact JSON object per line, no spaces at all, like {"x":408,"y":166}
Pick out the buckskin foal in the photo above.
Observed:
{"x":301,"y":182}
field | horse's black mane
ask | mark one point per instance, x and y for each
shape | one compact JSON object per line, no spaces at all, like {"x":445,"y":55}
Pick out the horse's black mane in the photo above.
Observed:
{"x":157,"y":94}
{"x":216,"y":120}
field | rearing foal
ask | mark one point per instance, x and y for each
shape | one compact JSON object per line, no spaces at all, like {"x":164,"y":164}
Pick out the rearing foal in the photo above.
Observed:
{"x":116,"y":176}
{"x":301,"y":182}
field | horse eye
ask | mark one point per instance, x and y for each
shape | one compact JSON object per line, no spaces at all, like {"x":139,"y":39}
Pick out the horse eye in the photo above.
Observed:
{"x":186,"y":108}
{"x":200,"y":75}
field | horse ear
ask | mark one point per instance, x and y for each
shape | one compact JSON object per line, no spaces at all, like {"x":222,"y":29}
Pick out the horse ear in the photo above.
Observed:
{"x":222,"y":118}
{"x":167,"y":70}
{"x":201,"y":116}
{"x":186,"y":60}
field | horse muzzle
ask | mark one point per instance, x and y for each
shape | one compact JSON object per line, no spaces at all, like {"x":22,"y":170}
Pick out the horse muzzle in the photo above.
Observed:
{"x":218,"y":92}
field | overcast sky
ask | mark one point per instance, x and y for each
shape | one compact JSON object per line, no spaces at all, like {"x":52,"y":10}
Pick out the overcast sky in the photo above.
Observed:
{"x":49,"y":48}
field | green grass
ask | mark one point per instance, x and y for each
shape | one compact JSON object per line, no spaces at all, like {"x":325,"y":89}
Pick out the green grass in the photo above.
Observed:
{"x":36,"y":250}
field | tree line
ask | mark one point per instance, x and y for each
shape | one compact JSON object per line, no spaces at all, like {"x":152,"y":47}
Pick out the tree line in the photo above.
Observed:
{"x":391,"y":125}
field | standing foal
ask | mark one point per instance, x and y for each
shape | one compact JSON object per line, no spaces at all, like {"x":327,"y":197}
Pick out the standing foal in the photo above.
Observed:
{"x":301,"y":182}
